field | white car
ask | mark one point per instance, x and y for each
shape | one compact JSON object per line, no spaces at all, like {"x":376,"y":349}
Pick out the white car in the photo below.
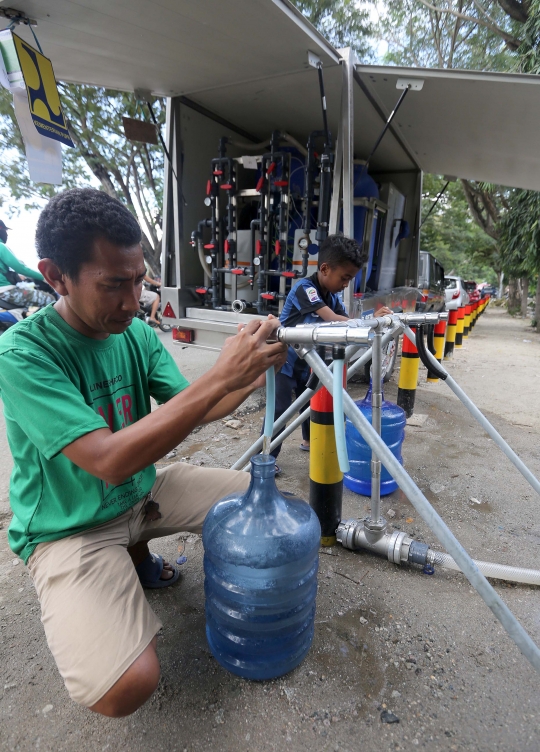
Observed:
{"x":455,"y":293}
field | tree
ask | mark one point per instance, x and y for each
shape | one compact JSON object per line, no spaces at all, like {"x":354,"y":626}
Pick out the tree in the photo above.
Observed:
{"x":457,"y":35}
{"x":343,"y":22}
{"x":482,"y":35}
{"x":451,"y":235}
{"x":132,"y":172}
{"x":520,"y":238}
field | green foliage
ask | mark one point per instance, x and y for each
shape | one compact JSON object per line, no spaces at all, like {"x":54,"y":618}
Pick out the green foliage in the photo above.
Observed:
{"x":421,"y":37}
{"x":520,"y":235}
{"x":133,"y":172}
{"x":343,"y":22}
{"x":529,"y":51}
{"x":450,"y":234}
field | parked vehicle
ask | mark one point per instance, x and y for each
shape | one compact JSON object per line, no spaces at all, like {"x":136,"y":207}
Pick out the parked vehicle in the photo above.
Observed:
{"x":455,"y":293}
{"x":474,"y":294}
{"x":488,"y":290}
{"x":430,"y":284}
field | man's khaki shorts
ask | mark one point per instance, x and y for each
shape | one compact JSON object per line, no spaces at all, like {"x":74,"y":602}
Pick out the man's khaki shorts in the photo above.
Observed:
{"x":96,"y":617}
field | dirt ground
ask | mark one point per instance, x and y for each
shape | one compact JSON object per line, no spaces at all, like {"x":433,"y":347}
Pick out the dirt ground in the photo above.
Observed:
{"x":387,"y":638}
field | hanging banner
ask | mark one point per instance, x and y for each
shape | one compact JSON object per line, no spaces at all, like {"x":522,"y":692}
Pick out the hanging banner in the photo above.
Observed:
{"x":43,"y":97}
{"x":43,"y":153}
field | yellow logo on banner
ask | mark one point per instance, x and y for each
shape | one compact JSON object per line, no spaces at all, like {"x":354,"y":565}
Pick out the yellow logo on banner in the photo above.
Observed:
{"x":43,"y":97}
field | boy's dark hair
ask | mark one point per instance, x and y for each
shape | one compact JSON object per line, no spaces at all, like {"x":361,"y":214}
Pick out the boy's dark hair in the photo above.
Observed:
{"x":74,"y":219}
{"x":336,"y":250}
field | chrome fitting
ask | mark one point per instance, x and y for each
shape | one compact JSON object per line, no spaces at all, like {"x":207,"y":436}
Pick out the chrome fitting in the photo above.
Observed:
{"x":376,"y":399}
{"x":238,"y":306}
{"x":375,"y":468}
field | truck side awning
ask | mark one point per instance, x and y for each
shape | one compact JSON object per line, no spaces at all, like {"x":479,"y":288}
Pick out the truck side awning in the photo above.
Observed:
{"x":480,"y":126}
{"x":246,"y":61}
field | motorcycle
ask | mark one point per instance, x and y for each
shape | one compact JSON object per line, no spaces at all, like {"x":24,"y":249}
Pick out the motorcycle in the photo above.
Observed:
{"x":145,"y":311}
{"x":12,"y":313}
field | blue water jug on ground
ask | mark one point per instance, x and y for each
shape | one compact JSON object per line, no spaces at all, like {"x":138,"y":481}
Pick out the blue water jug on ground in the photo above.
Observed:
{"x":393,"y":420}
{"x":261,"y":555}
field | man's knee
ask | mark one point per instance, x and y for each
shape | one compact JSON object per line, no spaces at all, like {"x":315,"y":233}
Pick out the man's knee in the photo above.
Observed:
{"x":134,"y":688}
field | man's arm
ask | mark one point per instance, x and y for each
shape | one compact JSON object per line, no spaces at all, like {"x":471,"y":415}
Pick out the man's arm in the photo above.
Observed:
{"x":113,"y":457}
{"x":17,"y":266}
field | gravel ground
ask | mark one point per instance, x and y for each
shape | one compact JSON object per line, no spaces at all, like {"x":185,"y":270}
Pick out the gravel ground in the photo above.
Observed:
{"x":391,"y":644}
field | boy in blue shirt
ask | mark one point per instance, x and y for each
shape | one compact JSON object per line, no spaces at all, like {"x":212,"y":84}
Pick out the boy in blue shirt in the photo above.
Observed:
{"x":313,"y":300}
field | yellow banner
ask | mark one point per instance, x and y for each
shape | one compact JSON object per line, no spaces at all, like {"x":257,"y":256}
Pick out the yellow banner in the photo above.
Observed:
{"x":42,"y":91}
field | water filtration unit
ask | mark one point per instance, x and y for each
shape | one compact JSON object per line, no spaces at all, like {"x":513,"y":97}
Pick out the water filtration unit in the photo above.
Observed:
{"x":270,"y":212}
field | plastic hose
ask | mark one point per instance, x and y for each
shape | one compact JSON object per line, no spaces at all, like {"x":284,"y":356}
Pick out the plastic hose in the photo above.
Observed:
{"x":270,"y":409}
{"x":242,"y":282}
{"x":496,"y":571}
{"x":339,"y":418}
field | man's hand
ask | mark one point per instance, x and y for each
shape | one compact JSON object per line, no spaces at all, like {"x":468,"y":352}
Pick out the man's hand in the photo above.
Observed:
{"x":384,"y":311}
{"x":246,"y":356}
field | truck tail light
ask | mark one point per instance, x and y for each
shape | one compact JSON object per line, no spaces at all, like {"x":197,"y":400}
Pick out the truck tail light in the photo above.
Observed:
{"x":183,"y":335}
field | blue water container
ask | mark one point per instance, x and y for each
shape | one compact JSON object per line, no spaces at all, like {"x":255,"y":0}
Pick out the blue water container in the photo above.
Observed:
{"x":393,"y":420}
{"x":260,"y":563}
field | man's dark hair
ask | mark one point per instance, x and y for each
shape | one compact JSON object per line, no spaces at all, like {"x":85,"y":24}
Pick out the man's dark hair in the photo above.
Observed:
{"x":74,"y":219}
{"x":337,"y":250}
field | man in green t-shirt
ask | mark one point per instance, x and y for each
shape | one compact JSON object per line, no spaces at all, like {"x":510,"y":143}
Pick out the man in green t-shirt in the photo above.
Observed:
{"x":10,"y":289}
{"x":76,"y":380}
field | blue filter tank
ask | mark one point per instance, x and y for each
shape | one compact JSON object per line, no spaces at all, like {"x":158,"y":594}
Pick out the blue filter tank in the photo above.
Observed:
{"x":393,"y":420}
{"x":261,"y":555}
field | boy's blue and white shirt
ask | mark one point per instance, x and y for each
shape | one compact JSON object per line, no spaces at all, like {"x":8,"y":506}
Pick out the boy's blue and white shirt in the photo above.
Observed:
{"x":301,"y":306}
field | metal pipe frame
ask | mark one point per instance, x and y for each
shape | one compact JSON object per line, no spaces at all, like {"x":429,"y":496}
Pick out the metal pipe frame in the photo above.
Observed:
{"x":501,"y":611}
{"x":481,"y":418}
{"x":304,"y":398}
{"x":347,"y":135}
{"x":375,"y":522}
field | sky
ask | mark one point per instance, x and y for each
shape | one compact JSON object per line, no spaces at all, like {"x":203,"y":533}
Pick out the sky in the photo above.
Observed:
{"x":21,"y":235}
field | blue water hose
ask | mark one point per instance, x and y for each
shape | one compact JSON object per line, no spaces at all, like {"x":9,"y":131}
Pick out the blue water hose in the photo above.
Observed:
{"x":339,"y":418}
{"x":270,"y":408}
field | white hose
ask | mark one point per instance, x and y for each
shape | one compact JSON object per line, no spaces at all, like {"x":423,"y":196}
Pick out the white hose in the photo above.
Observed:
{"x":255,"y":147}
{"x":242,"y":282}
{"x":495,"y":571}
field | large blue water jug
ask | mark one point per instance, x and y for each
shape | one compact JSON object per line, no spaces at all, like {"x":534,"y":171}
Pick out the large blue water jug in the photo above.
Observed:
{"x":261,"y":555}
{"x":393,"y":420}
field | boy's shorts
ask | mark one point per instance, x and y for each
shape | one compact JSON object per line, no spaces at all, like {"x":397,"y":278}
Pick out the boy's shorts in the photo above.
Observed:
{"x":96,"y":617}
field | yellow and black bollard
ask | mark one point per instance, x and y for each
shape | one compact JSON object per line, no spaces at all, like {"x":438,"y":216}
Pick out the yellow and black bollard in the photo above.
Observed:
{"x":325,"y":477}
{"x":408,"y":377}
{"x":459,"y":327}
{"x":467,"y":323}
{"x":450,"y":334}
{"x":438,"y":342}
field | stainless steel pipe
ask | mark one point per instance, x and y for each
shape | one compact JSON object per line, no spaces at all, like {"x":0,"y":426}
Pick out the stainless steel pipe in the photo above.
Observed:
{"x":305,"y":397}
{"x":481,"y":418}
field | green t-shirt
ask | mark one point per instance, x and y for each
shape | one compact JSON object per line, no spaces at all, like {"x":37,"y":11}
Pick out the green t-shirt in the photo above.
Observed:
{"x":9,"y":261}
{"x":57,"y":386}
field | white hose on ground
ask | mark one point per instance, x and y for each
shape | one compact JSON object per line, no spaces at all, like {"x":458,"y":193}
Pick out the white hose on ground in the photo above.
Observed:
{"x":495,"y":571}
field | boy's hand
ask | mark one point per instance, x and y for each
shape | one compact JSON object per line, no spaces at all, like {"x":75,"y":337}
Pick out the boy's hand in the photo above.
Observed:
{"x":384,"y":311}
